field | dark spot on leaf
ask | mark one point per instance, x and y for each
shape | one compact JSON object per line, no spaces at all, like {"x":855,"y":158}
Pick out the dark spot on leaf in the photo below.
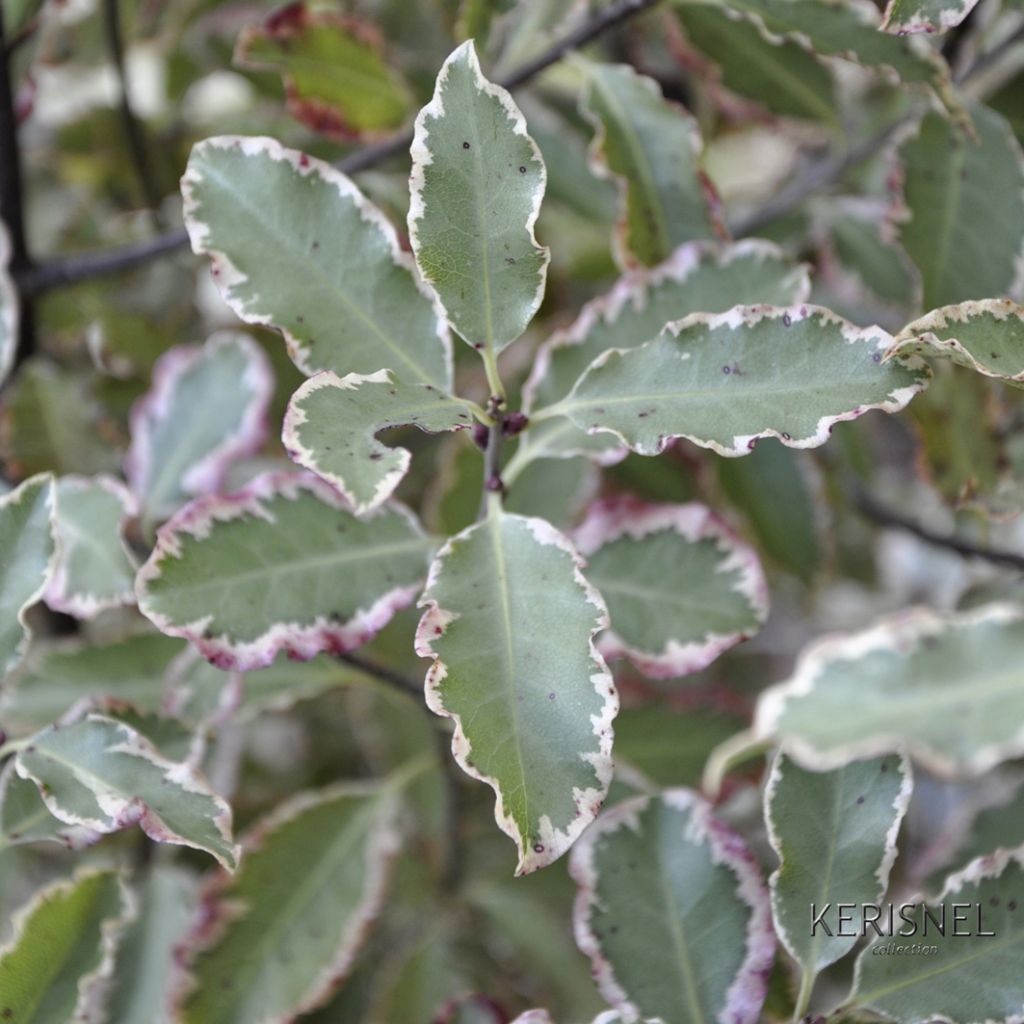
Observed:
{"x":1012,"y":905}
{"x":885,"y":767}
{"x":877,"y":357}
{"x":726,"y":370}
{"x":522,"y":170}
{"x":786,"y":320}
{"x":786,"y":437}
{"x":860,"y":799}
{"x":551,"y":696}
{"x":538,"y":847}
{"x":376,"y":457}
{"x":465,"y":145}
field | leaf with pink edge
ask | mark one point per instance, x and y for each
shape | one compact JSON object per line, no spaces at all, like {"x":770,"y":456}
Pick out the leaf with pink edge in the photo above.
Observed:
{"x":283,"y":565}
{"x":681,"y":587}
{"x":651,"y":874}
{"x":903,"y":17}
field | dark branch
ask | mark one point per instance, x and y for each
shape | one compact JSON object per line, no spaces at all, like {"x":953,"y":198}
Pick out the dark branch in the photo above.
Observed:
{"x":386,"y":675}
{"x":66,"y":270}
{"x":877,"y":513}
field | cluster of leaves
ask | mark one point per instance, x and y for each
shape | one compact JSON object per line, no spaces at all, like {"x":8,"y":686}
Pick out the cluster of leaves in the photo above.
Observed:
{"x":251,"y":604}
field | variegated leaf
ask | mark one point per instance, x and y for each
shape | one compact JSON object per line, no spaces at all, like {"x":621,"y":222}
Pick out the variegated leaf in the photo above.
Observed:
{"x":332,"y":424}
{"x":698,"y":278}
{"x":722,"y":381}
{"x":28,"y":555}
{"x":681,"y":587}
{"x":62,"y":951}
{"x":673,"y":913}
{"x":102,"y":775}
{"x":906,"y":16}
{"x":282,"y":565}
{"x":985,"y":336}
{"x":651,"y":147}
{"x":965,"y":245}
{"x":476,"y":189}
{"x":221,"y":390}
{"x":510,"y":622}
{"x":9,"y":311}
{"x":335,"y":76}
{"x":947,"y":686}
{"x":25,"y":818}
{"x":281,"y":934}
{"x":973,"y":972}
{"x":95,"y":570}
{"x":296,"y":246}
{"x":834,"y":833}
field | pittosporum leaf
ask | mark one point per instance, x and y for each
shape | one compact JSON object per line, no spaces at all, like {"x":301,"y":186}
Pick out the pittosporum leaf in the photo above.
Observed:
{"x":25,"y":818}
{"x":906,"y":16}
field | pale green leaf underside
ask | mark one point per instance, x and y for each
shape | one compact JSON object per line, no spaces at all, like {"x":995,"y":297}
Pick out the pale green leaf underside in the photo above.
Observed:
{"x":103,"y":775}
{"x":651,"y":148}
{"x":681,"y":588}
{"x":332,"y":423}
{"x":27,"y":553}
{"x":62,"y":943}
{"x":476,"y":188}
{"x":207,"y":407}
{"x":94,"y":568}
{"x":673,"y":913}
{"x":296,"y":246}
{"x":9,"y":314}
{"x":965,"y":245}
{"x":986,"y":336}
{"x":969,"y":977}
{"x":697,"y":278}
{"x":834,"y":833}
{"x":903,"y":16}
{"x":723,"y":381}
{"x":283,"y":565}
{"x":336,"y":79}
{"x":294,"y":915}
{"x":949,"y":687}
{"x":509,"y":623}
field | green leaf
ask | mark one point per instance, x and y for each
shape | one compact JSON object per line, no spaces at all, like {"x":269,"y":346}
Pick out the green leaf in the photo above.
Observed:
{"x":723,"y":381}
{"x":699,"y":277}
{"x":681,"y":587}
{"x":510,"y":622}
{"x":651,"y":147}
{"x":281,"y":934}
{"x":102,"y":775}
{"x":29,"y":544}
{"x":968,"y":977}
{"x":948,"y":686}
{"x":332,"y":423}
{"x":835,"y":836}
{"x":25,"y":818}
{"x":673,"y":913}
{"x":904,"y":16}
{"x":95,"y":570}
{"x":335,"y":76}
{"x":282,"y":565}
{"x":986,"y":336}
{"x":9,"y":309}
{"x":62,"y":950}
{"x":965,"y":245}
{"x":222,"y":391}
{"x":296,"y":246}
{"x":776,"y":73}
{"x":476,"y":188}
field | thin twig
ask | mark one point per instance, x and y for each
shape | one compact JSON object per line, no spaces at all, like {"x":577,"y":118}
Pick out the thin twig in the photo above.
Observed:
{"x":879,"y":514}
{"x":382,"y":672}
{"x":66,"y":270}
{"x":133,"y":131}
{"x":992,"y":57}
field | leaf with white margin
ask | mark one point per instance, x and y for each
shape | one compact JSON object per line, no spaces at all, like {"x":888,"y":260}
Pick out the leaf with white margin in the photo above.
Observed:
{"x":510,"y":621}
{"x":297,"y":247}
{"x":95,"y":570}
{"x":332,"y":422}
{"x":681,"y":587}
{"x":28,"y":557}
{"x":906,"y":16}
{"x":24,"y":818}
{"x":949,"y":687}
{"x":724,"y":380}
{"x":280,"y":566}
{"x":965,"y":245}
{"x":652,"y":873}
{"x":699,"y":277}
{"x":102,"y":775}
{"x":985,"y":336}
{"x":835,"y":836}
{"x":475,"y":192}
{"x":651,"y":148}
{"x":281,"y":934}
{"x":62,"y":953}
{"x":206,"y":408}
{"x":969,"y":977}
{"x":9,"y":311}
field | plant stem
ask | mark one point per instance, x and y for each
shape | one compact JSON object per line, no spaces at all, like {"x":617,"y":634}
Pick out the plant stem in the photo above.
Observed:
{"x":386,"y":675}
{"x":803,"y":998}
